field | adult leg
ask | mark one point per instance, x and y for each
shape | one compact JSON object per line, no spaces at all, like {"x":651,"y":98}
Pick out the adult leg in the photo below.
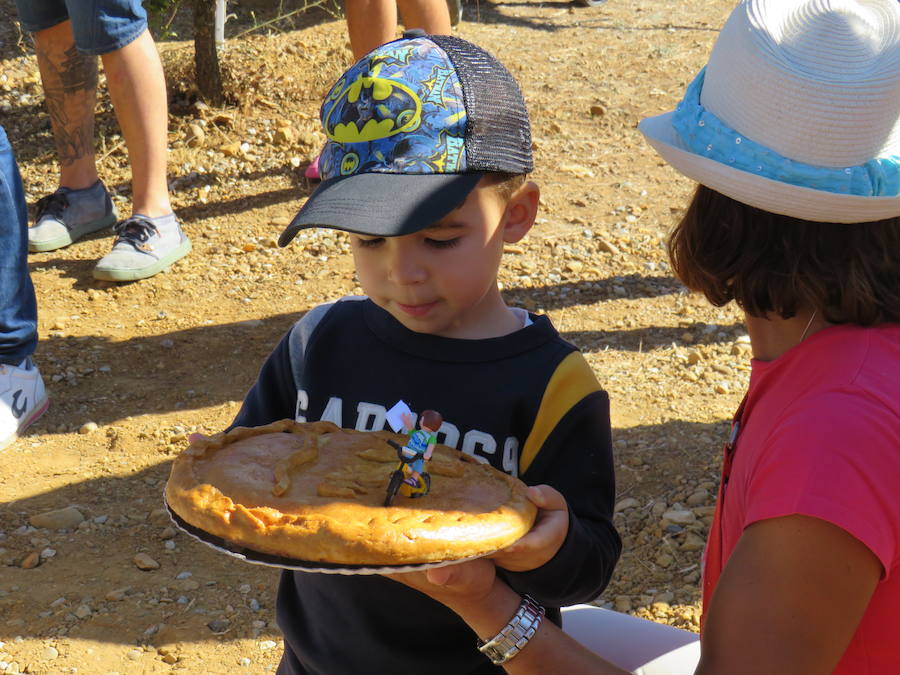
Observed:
{"x":370,"y":23}
{"x":430,"y":15}
{"x":70,"y":92}
{"x":137,"y":87}
{"x":81,"y":204}
{"x":152,"y":238}
{"x":22,"y":395}
{"x":18,"y":309}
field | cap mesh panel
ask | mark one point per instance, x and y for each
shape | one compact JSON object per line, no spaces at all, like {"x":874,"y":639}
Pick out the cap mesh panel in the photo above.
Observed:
{"x":498,"y":135}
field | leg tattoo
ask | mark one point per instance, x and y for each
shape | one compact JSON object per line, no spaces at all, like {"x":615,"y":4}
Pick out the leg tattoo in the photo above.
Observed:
{"x":70,"y":89}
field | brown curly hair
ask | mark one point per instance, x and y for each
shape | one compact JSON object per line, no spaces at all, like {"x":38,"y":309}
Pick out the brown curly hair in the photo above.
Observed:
{"x":769,"y":263}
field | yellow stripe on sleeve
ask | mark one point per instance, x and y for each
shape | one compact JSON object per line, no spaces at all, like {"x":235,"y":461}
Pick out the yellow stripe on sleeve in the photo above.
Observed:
{"x":572,"y":381}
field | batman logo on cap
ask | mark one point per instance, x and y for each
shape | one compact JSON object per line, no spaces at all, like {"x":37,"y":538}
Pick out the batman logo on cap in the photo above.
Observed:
{"x":371,"y":108}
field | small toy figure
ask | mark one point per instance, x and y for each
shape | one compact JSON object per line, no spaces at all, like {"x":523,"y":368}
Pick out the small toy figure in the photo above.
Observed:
{"x":409,"y":478}
{"x":421,"y":441}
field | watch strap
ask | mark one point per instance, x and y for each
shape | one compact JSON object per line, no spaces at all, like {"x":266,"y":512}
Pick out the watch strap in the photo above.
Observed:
{"x":516,"y":634}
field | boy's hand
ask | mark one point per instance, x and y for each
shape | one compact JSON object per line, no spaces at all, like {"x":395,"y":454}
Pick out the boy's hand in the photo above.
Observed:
{"x":467,"y":583}
{"x":546,"y":536}
{"x":409,"y":421}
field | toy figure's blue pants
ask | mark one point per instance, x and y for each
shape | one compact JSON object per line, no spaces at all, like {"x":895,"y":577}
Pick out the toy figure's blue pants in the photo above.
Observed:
{"x":18,"y":309}
{"x":417,"y":465}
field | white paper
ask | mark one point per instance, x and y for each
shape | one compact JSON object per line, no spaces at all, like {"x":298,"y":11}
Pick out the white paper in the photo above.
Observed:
{"x":394,"y":416}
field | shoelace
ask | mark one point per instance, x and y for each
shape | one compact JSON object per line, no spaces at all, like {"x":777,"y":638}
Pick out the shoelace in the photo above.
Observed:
{"x":52,"y":205}
{"x":135,"y":231}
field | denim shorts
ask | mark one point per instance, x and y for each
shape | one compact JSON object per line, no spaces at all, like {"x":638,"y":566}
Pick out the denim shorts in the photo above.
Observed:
{"x":100,"y":26}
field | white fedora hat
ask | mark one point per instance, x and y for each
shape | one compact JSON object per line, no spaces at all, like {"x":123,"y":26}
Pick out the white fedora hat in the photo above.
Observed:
{"x":797,"y":111}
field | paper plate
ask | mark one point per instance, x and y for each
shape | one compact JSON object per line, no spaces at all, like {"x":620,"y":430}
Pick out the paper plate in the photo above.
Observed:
{"x":270,"y":560}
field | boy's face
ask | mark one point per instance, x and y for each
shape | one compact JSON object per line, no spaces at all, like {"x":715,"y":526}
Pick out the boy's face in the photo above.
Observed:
{"x":442,"y":280}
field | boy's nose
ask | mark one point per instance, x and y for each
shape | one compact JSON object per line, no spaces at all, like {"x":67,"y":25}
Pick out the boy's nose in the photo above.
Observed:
{"x":405,"y":268}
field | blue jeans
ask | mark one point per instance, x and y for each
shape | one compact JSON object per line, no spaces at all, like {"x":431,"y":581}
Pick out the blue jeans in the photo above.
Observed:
{"x":18,"y":308}
{"x":99,"y":26}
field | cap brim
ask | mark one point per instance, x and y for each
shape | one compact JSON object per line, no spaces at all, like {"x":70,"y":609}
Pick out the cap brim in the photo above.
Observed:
{"x":764,"y":193}
{"x":381,"y":204}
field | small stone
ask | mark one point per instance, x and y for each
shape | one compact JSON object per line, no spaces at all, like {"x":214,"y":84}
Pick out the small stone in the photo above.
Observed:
{"x":666,"y":597}
{"x":694,"y":357}
{"x":267,"y":644}
{"x":144,"y":562}
{"x":704,"y":511}
{"x":606,"y":246}
{"x":135,"y":654}
{"x":664,"y":560}
{"x":30,"y":561}
{"x":576,"y":170}
{"x":49,"y":653}
{"x":698,"y":498}
{"x":59,"y":519}
{"x":722,"y":388}
{"x":679,"y":516}
{"x":231,"y":150}
{"x":218,"y":626}
{"x":88,"y":427}
{"x":245,"y":662}
{"x":693,"y":542}
{"x":118,"y":594}
{"x":623,"y":603}
{"x":195,"y":135}
{"x":284,"y":136}
{"x":598,"y":110}
{"x":83,"y":611}
{"x":627,"y":503}
{"x":184,"y":575}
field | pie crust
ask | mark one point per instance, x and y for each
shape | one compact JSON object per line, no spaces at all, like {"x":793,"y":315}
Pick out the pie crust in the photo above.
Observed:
{"x":314,"y":492}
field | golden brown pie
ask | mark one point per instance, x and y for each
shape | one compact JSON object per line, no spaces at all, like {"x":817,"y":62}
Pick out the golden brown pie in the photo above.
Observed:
{"x":315,"y":492}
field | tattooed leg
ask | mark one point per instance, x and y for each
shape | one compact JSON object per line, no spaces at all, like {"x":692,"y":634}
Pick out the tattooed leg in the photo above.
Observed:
{"x":70,"y":90}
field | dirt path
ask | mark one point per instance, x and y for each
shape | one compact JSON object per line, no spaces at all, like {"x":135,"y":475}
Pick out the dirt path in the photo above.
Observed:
{"x":133,"y":368}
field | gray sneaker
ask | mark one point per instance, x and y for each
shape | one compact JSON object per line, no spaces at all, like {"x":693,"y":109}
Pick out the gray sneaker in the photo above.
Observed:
{"x":143,"y":247}
{"x":67,"y":215}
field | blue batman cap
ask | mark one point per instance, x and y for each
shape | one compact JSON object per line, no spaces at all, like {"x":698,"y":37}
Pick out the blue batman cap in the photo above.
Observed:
{"x":411,"y":128}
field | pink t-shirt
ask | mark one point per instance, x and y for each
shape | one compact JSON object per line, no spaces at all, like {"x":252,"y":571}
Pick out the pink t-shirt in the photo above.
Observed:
{"x":820,"y":436}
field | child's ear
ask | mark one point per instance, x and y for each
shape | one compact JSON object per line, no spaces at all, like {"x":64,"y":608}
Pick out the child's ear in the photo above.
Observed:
{"x":521,"y":210}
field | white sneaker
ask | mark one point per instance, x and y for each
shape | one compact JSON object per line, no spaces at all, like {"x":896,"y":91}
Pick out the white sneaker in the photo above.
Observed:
{"x":143,"y":247}
{"x":22,"y":399}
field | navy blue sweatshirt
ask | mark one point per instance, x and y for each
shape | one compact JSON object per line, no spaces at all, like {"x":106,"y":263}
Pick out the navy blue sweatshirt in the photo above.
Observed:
{"x":527,"y":402}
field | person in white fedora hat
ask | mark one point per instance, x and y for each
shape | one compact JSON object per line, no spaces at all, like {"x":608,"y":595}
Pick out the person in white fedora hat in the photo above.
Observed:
{"x":792,"y":131}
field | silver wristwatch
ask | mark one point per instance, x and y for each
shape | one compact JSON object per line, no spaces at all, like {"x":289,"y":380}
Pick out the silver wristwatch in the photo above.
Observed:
{"x":515,"y":635}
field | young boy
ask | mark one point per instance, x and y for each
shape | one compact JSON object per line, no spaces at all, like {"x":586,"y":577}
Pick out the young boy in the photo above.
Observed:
{"x":431,"y":186}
